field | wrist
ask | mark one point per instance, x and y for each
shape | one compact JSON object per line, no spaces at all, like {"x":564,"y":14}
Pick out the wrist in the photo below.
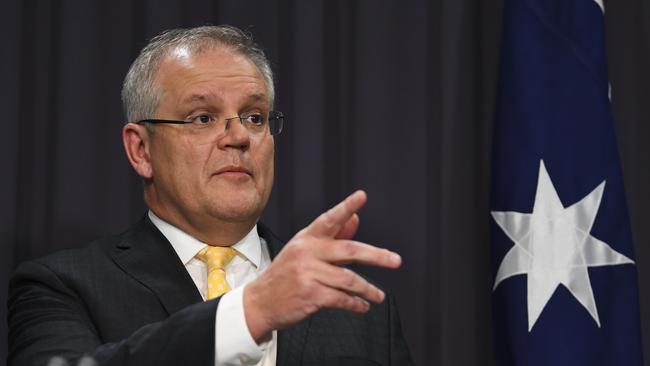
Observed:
{"x":254,"y":314}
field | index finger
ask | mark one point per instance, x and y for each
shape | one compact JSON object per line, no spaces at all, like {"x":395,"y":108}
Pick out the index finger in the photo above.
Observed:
{"x":330,"y":223}
{"x":350,"y":251}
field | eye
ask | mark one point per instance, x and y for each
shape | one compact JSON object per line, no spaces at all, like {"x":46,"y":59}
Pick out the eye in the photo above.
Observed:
{"x":202,"y":119}
{"x":255,"y":119}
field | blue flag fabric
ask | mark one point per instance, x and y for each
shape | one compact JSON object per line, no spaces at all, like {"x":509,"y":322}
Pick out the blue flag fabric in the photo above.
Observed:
{"x":565,"y":290}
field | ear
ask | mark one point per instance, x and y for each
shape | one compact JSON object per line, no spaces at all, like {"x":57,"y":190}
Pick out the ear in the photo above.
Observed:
{"x":136,"y":144}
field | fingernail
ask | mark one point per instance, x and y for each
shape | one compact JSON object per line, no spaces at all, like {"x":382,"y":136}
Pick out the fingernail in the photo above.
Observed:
{"x":382,"y":295}
{"x":395,"y":258}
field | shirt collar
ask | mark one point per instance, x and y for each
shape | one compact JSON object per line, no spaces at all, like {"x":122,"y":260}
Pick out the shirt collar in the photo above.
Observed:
{"x":186,"y":246}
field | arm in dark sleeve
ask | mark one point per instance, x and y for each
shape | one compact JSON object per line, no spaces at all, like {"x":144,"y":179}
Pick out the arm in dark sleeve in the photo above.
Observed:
{"x":48,"y":319}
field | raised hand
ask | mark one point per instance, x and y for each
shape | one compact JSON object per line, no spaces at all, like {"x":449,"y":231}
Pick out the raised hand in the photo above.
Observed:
{"x":306,"y":276}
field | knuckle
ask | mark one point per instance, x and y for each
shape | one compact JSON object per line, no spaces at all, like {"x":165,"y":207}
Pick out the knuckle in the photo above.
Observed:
{"x":310,"y":309}
{"x":309,"y":289}
{"x":350,"y":248}
{"x":328,"y":301}
{"x":351,"y":302}
{"x":302,"y":232}
{"x":298,"y":249}
{"x":327,"y":218}
{"x":343,"y":301}
{"x":332,"y":300}
{"x":308,"y":268}
{"x":349,"y":278}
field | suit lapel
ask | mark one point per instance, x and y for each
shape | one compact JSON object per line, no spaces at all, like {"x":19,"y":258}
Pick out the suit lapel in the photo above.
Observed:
{"x":274,"y":244}
{"x":291,"y":342}
{"x":146,"y":255}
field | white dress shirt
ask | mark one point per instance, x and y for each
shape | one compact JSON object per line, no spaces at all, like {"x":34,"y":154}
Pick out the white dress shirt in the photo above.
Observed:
{"x":234,"y":344}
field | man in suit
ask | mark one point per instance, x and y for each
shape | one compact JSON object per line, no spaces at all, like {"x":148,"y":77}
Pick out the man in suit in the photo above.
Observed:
{"x":198,"y":281}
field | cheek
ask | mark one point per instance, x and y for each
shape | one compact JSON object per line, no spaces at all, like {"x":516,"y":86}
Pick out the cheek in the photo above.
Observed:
{"x":266,"y":165}
{"x":179,"y":164}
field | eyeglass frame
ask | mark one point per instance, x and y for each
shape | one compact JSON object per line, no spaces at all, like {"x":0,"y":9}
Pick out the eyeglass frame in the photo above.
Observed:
{"x":275,"y":122}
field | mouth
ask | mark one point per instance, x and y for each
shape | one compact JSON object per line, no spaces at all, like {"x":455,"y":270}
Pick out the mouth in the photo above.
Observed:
{"x":233,"y":171}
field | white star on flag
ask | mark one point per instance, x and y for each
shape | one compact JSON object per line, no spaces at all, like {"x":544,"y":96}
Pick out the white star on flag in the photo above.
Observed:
{"x":554,"y":246}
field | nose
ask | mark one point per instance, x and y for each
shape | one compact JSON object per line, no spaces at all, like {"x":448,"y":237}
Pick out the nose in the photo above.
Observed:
{"x":235,"y":136}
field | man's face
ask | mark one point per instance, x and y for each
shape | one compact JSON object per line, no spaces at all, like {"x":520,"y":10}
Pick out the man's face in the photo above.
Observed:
{"x":200,"y":175}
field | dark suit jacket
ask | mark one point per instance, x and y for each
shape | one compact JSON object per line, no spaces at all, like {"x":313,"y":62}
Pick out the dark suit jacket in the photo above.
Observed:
{"x":128,"y":300}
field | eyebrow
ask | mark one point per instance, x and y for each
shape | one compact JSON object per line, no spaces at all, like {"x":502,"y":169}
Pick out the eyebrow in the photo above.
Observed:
{"x":258,"y":97}
{"x":199,"y":98}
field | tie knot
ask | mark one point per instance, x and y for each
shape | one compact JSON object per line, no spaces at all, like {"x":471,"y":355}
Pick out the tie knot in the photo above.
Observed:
{"x":216,"y":257}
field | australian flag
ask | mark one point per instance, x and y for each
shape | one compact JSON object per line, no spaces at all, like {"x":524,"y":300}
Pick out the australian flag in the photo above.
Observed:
{"x":565,"y":283}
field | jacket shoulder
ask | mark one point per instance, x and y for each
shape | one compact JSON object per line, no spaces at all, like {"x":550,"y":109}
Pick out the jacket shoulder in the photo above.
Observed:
{"x":92,"y":255}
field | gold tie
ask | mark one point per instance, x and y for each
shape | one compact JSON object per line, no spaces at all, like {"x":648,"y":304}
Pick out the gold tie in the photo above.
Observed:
{"x":216,"y":258}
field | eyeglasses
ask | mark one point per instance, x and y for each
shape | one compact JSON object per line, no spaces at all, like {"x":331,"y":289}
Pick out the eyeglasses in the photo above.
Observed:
{"x":255,"y":123}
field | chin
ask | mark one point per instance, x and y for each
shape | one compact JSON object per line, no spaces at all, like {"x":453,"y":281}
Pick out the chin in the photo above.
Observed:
{"x":235,"y":203}
{"x":238,"y":209}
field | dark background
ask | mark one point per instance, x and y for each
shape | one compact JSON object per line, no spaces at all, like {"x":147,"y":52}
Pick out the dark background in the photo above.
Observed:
{"x":395,"y":97}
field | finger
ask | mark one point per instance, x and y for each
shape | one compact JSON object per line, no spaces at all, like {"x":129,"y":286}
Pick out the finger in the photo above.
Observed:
{"x":330,"y":223}
{"x":350,"y":251}
{"x":349,"y":229}
{"x":346,"y":280}
{"x":336,"y":299}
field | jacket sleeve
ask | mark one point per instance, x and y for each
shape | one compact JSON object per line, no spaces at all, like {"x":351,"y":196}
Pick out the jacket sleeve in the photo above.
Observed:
{"x":47,"y":319}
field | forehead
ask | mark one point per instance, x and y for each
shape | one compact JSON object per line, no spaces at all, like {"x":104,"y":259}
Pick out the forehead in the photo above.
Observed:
{"x":215,"y":74}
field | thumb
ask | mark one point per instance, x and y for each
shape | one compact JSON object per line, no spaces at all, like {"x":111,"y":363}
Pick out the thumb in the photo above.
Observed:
{"x":330,"y":223}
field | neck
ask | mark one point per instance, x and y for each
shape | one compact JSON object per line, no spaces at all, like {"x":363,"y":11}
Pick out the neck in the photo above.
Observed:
{"x":209,"y":230}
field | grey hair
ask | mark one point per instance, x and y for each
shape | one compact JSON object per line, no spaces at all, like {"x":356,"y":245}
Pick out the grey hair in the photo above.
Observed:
{"x":140,"y":95}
